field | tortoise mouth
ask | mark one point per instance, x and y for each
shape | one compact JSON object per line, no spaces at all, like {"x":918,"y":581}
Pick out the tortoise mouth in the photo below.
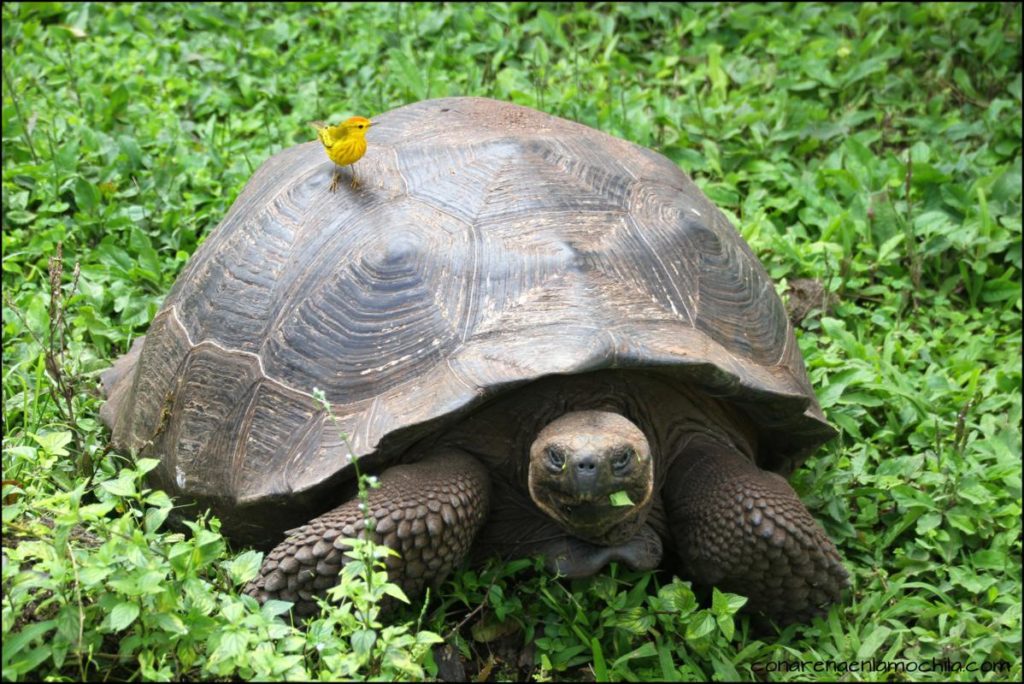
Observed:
{"x":588,"y":509}
{"x":592,"y":513}
{"x":584,"y":509}
{"x":595,"y":518}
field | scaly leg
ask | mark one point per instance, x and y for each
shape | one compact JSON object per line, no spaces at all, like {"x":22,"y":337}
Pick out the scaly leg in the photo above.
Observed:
{"x":428,"y":511}
{"x":745,"y":530}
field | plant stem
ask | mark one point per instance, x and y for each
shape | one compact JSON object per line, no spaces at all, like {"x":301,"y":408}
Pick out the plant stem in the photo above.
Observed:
{"x":21,"y":118}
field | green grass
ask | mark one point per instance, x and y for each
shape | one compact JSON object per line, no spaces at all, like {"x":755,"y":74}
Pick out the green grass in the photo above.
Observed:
{"x":874,"y":148}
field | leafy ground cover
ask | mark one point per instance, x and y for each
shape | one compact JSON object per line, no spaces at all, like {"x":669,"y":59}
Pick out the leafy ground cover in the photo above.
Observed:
{"x":870,"y":154}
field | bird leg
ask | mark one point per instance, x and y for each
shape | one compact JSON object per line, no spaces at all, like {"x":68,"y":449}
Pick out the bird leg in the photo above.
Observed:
{"x":334,"y":180}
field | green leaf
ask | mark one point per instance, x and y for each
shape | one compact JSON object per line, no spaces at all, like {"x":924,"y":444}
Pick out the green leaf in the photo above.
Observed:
{"x":668,"y":669}
{"x":53,"y":443}
{"x":124,"y":485}
{"x":97,"y":510}
{"x":155,"y":517}
{"x":158,"y":498}
{"x":412,"y":74}
{"x":971,"y":580}
{"x":245,"y":566}
{"x":889,"y":247}
{"x":393,"y":590}
{"x":362,"y":641}
{"x":679,"y":598}
{"x":600,"y":667}
{"x":20,"y":216}
{"x":123,"y":615}
{"x":928,"y":521}
{"x":962,"y":522}
{"x":725,"y":671}
{"x":91,"y":575}
{"x":874,"y":641}
{"x":716,"y":74}
{"x":621,"y":498}
{"x":14,"y":643}
{"x":29,"y":660}
{"x":274,"y":607}
{"x":725,"y":623}
{"x":232,"y":644}
{"x":170,"y":623}
{"x":87,"y":196}
{"x":645,"y":650}
{"x":130,"y":148}
{"x":151,"y":582}
{"x":723,"y":603}
{"x":701,"y":625}
{"x":637,"y":620}
{"x":144,"y":465}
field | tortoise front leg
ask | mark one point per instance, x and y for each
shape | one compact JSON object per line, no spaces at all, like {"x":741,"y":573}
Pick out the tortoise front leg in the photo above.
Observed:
{"x":428,"y":511}
{"x":745,"y":530}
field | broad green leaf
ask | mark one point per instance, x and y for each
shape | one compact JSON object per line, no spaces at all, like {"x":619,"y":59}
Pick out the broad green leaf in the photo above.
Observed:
{"x":87,"y":196}
{"x":124,"y":485}
{"x":245,"y":566}
{"x":874,"y":640}
{"x":362,"y":641}
{"x":726,"y":625}
{"x":701,"y":625}
{"x":123,"y":615}
{"x":395,"y":591}
{"x":14,"y":643}
{"x":621,"y":498}
{"x":155,"y":517}
{"x":53,"y":442}
{"x":170,"y":623}
{"x":273,"y":608}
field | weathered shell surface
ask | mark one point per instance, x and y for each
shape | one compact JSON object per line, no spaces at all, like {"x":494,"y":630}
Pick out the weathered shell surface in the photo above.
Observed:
{"x":488,"y":245}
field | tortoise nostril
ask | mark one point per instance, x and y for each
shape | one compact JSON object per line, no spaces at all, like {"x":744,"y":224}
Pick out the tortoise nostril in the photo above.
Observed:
{"x":586,"y":463}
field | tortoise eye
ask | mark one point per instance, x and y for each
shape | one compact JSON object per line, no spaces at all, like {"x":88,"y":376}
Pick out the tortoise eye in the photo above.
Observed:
{"x":556,"y":459}
{"x":622,"y":458}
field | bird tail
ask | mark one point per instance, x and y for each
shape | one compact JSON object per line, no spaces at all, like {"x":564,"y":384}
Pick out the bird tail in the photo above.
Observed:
{"x":321,"y":129}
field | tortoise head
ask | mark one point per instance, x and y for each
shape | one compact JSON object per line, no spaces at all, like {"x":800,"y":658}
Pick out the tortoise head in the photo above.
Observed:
{"x":592,"y":471}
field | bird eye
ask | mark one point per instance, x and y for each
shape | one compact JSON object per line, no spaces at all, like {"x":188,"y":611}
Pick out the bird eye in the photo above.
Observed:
{"x":622,"y":458}
{"x":556,"y":458}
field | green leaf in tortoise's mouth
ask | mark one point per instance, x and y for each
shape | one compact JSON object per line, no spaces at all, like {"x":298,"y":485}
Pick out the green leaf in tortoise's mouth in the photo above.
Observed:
{"x":621,"y":498}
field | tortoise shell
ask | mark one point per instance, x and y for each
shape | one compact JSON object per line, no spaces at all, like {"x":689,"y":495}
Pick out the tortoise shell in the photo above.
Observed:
{"x":488,"y":245}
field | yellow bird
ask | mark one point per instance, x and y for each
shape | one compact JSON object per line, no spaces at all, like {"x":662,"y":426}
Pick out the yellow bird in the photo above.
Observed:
{"x":345,"y":143}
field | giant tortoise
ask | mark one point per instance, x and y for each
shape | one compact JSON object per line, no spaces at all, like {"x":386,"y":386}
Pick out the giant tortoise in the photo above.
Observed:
{"x":545,"y":340}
